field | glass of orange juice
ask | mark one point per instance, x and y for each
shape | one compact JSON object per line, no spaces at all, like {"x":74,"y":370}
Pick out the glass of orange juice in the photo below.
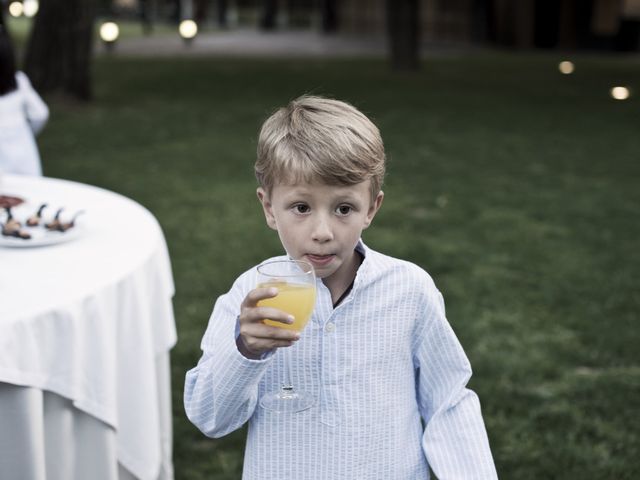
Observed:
{"x":296,"y":284}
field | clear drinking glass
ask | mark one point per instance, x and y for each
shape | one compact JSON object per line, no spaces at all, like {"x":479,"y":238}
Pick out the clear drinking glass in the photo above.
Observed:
{"x":296,"y":284}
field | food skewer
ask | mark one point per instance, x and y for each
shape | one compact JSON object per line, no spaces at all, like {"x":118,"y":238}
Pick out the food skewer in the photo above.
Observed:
{"x":58,"y":226}
{"x":55,"y":223}
{"x":11,"y":227}
{"x":34,"y":220}
{"x":64,"y":226}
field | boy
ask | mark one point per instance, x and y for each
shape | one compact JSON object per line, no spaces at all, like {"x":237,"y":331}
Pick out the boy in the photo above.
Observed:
{"x":378,"y":355}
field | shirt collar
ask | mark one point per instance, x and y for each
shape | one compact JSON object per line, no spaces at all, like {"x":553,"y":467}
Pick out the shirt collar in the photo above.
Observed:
{"x":363,"y":269}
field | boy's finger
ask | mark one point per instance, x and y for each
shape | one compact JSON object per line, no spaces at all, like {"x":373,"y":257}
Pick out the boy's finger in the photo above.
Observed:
{"x":268,"y":313}
{"x":260,"y":331}
{"x":261,"y":313}
{"x":257,"y":294}
{"x":259,"y":338}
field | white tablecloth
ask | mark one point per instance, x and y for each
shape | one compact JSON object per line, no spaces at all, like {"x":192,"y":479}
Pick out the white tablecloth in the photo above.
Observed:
{"x":88,"y":319}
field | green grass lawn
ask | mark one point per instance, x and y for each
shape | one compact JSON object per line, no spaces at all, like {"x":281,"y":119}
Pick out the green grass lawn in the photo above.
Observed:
{"x":514,"y":186}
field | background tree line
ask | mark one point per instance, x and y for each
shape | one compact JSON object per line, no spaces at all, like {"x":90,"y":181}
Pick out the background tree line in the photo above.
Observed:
{"x":60,"y":47}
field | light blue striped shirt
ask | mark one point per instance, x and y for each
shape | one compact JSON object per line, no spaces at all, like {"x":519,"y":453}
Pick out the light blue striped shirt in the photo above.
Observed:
{"x":388,"y":373}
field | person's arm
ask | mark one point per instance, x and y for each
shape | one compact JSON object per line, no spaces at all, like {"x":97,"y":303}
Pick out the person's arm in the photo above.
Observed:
{"x":36,"y":110}
{"x":221,"y":392}
{"x":455,"y":439}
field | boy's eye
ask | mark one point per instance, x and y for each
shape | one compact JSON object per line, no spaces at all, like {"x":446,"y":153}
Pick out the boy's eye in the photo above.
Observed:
{"x":344,"y":210}
{"x":301,"y":208}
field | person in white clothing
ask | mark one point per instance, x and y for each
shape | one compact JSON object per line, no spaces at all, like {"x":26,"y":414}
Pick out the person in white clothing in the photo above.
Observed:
{"x":386,"y":371}
{"x":23,"y":114}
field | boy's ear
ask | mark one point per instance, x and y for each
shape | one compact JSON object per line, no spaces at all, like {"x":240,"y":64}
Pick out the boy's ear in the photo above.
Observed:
{"x":266,"y":207}
{"x":373,"y":208}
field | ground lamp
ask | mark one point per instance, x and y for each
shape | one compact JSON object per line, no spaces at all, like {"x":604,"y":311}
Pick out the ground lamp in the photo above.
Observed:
{"x":566,"y":67}
{"x":15,"y":9}
{"x":188,"y":30}
{"x":30,"y":8}
{"x":620,"y":93}
{"x":109,"y":33}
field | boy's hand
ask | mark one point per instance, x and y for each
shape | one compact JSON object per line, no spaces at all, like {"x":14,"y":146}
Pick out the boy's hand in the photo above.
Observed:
{"x":257,"y":338}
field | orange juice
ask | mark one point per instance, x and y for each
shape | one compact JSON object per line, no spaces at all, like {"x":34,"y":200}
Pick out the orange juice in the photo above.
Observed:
{"x":294,"y":298}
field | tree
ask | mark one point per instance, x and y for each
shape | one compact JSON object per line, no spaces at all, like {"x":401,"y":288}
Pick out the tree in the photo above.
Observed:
{"x":58,"y":57}
{"x":329,"y":14}
{"x":148,"y":10}
{"x":201,"y":11}
{"x":402,"y":23}
{"x":222,"y":10}
{"x":269,"y":14}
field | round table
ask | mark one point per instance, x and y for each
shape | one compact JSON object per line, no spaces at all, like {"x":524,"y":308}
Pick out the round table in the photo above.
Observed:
{"x":86,"y":326}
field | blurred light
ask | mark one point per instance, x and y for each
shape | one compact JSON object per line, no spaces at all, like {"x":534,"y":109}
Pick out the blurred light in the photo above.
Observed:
{"x":15,"y":9}
{"x":30,"y":7}
{"x":620,"y":93}
{"x":109,"y":32}
{"x":566,"y":67}
{"x":188,"y":29}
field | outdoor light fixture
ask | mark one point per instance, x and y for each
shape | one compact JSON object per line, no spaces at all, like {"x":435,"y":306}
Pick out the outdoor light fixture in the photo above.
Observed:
{"x":16,"y":9}
{"x":620,"y":93}
{"x":30,"y":8}
{"x":109,"y":33}
{"x":566,"y":67}
{"x":188,"y":30}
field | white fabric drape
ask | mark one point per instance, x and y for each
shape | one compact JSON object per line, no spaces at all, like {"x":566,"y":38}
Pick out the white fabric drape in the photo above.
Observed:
{"x":44,"y":437}
{"x":87,"y":319}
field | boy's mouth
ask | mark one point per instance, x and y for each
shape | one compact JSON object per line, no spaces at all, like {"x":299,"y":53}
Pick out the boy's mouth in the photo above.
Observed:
{"x":320,"y":260}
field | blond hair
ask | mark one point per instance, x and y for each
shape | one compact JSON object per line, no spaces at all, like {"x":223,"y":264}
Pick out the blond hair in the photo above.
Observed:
{"x":320,"y":139}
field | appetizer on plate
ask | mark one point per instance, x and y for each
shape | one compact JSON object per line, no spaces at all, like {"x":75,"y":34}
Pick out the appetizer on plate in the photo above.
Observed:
{"x":13,"y":228}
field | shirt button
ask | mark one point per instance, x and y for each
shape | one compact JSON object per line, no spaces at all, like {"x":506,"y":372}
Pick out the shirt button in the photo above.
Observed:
{"x":330,"y":327}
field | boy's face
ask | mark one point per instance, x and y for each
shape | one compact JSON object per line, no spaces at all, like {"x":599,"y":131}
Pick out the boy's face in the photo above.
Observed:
{"x":320,"y":223}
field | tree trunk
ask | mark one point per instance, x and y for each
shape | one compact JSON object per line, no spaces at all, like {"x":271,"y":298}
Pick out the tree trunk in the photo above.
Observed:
{"x":148,"y":15}
{"x":221,"y":11}
{"x":402,"y":23}
{"x":269,"y":13}
{"x":329,"y":16}
{"x":58,"y":58}
{"x":201,"y":11}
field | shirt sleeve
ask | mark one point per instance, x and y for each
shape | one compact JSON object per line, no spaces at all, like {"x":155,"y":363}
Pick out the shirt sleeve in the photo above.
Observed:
{"x":455,"y":440}
{"x":36,"y":110}
{"x":221,"y":392}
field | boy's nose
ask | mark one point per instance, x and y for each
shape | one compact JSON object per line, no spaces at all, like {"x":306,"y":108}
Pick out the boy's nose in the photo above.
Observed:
{"x":322,"y":231}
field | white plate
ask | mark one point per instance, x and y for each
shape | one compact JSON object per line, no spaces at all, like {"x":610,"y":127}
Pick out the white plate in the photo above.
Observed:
{"x":40,"y":236}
